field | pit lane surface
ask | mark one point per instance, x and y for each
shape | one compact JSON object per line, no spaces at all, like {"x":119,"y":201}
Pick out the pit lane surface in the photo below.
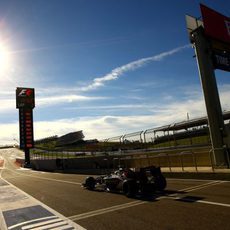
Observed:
{"x":186,"y":204}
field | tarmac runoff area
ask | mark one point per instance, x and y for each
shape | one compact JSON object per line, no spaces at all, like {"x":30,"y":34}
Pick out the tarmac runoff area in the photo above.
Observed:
{"x":19,"y":210}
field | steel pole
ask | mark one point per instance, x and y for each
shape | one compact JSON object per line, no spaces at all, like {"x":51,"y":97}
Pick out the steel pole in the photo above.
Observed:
{"x":211,"y":95}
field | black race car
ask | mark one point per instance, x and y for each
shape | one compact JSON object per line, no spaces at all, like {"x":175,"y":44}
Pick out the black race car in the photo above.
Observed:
{"x":145,"y":181}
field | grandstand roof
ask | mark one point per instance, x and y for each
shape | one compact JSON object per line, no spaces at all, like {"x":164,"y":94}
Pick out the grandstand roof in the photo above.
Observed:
{"x":189,"y":123}
{"x":70,"y":138}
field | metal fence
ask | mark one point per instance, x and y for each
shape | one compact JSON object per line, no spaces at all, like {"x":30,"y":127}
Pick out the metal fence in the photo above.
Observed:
{"x":161,"y":138}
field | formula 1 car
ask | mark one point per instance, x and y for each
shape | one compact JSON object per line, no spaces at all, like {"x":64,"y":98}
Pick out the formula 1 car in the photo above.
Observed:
{"x":145,"y":181}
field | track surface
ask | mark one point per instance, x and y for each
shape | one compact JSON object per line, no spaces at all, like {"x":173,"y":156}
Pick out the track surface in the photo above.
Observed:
{"x":186,"y":204}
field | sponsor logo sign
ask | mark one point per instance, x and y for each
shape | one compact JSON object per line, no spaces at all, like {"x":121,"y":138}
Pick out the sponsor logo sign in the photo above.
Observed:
{"x":221,"y":60}
{"x":216,"y":25}
{"x":217,"y":30}
{"x":25,"y":98}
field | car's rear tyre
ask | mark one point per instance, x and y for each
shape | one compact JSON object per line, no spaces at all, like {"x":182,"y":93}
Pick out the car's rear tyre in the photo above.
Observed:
{"x":129,"y":188}
{"x":160,"y":183}
{"x":90,"y":183}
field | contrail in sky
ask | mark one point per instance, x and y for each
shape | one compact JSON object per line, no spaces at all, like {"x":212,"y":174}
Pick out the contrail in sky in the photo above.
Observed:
{"x":117,"y":72}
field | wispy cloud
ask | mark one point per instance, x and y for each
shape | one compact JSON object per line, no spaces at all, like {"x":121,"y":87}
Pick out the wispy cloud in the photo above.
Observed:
{"x":53,"y":100}
{"x":117,"y":72}
{"x":91,"y":43}
{"x":8,"y":103}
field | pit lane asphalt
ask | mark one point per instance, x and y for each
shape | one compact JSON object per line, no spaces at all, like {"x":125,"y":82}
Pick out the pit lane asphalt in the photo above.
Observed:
{"x":186,"y":204}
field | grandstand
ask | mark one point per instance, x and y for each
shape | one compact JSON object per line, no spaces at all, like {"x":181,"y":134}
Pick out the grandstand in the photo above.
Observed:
{"x":46,"y":139}
{"x":70,"y":138}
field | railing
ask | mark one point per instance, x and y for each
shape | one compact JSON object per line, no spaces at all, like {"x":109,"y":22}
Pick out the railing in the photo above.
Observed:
{"x":151,"y":138}
{"x":182,"y":161}
{"x":189,"y":160}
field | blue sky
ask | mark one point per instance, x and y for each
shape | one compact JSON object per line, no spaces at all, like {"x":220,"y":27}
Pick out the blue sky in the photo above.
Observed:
{"x":107,"y":67}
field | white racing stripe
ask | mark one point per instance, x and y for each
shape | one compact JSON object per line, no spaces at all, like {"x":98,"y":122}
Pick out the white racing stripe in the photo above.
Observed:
{"x":44,"y":178}
{"x":198,"y":201}
{"x":30,"y":221}
{"x":213,"y":203}
{"x":196,"y":180}
{"x":46,"y":224}
{"x":51,"y":226}
{"x":198,"y":187}
{"x":106,"y":210}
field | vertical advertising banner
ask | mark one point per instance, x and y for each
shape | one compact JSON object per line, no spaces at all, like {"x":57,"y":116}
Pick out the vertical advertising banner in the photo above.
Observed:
{"x":25,"y":102}
{"x":26,"y":128}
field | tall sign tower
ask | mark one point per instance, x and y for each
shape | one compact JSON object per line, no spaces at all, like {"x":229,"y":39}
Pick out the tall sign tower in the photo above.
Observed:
{"x":211,"y":40}
{"x":25,"y":102}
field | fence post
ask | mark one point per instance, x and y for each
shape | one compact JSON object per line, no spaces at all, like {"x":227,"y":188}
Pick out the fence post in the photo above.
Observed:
{"x":228,"y":160}
{"x":159,"y":164}
{"x":169,"y":163}
{"x":144,"y":136}
{"x":194,"y":159}
{"x":182,"y":165}
{"x":210,"y":156}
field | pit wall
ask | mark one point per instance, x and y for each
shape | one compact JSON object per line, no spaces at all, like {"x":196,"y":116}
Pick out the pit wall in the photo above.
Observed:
{"x":72,"y":163}
{"x":186,"y":159}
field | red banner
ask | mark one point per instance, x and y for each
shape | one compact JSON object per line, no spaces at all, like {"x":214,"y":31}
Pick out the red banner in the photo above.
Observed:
{"x":216,"y":25}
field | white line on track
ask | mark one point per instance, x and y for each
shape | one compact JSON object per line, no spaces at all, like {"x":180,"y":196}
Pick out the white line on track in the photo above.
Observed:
{"x":201,"y":186}
{"x":197,"y":201}
{"x":106,"y":210}
{"x":43,"y":178}
{"x":30,"y":221}
{"x":213,"y":203}
{"x":198,"y":180}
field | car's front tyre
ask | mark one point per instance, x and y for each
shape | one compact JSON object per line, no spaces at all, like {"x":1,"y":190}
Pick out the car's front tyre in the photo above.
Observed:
{"x":90,"y":183}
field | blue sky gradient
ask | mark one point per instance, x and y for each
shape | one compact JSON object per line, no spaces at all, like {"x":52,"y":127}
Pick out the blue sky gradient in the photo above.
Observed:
{"x":104,"y":67}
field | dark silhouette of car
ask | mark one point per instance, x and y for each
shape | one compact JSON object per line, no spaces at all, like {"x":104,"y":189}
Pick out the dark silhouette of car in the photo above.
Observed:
{"x":146,"y":180}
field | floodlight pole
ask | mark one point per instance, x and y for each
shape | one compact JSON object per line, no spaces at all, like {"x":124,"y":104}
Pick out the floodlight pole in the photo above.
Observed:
{"x":211,"y":95}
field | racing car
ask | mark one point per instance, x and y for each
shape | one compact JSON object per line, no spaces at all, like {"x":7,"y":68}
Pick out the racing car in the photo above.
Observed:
{"x":144,"y":181}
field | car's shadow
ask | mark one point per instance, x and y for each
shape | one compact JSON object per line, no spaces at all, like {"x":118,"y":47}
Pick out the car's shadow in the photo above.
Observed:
{"x":171,"y":194}
{"x":150,"y":197}
{"x":157,"y":195}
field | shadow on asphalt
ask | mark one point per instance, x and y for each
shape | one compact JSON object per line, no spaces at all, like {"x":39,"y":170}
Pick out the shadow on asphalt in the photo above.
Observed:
{"x":154,"y":197}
